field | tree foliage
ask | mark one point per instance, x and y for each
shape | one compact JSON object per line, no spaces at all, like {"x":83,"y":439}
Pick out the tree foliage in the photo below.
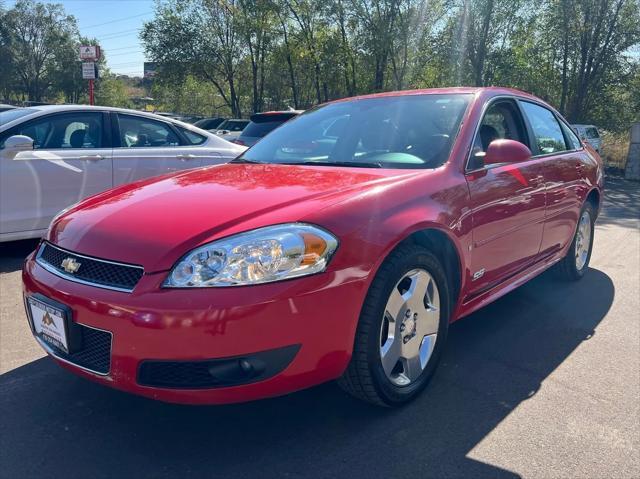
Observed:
{"x":577,"y":54}
{"x":39,"y":55}
{"x":235,"y":57}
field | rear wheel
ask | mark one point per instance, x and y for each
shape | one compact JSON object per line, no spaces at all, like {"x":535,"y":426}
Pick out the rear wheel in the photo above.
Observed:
{"x":401,"y":331}
{"x":574,"y":265}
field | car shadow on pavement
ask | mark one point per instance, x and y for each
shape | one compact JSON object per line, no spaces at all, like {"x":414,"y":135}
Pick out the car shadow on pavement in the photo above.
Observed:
{"x":13,"y":254}
{"x":58,"y":425}
{"x":621,"y":203}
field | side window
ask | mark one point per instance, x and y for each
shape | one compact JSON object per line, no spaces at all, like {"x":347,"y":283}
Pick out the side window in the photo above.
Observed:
{"x":140,"y":132}
{"x":192,"y":137}
{"x":236,"y":125}
{"x":78,"y":130}
{"x":546,"y":128}
{"x":502,"y":120}
{"x":572,"y":139}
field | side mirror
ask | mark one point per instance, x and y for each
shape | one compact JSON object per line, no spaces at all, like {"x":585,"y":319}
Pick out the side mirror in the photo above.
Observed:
{"x":17,"y":143}
{"x":506,"y":151}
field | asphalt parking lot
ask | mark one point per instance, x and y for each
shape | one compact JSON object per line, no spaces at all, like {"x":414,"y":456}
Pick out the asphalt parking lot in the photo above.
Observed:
{"x":543,"y":383}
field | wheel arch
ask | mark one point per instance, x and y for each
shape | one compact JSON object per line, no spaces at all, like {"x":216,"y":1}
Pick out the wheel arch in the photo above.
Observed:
{"x":445,"y":247}
{"x":594,"y":197}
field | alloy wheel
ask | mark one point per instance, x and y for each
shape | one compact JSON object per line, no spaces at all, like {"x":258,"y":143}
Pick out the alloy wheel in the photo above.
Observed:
{"x":409,"y":327}
{"x":583,"y":240}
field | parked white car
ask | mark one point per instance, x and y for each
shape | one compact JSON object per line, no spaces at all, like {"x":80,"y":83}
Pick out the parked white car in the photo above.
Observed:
{"x":231,"y":129}
{"x":53,"y":156}
{"x":590,"y":134}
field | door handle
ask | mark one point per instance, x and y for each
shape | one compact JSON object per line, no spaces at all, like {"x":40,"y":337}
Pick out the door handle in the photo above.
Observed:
{"x":186,"y":157}
{"x":92,"y":157}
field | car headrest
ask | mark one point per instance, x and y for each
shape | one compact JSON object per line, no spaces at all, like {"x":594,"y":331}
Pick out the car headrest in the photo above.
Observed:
{"x":76,"y":140}
{"x":487,"y":135}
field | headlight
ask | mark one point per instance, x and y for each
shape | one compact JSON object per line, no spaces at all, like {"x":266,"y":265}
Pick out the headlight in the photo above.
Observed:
{"x":259,"y":256}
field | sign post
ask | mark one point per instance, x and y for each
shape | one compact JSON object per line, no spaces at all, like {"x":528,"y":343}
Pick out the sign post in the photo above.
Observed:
{"x":89,"y":54}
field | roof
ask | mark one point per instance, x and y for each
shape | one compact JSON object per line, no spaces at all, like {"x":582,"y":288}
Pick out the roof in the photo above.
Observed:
{"x":449,"y":90}
{"x":54,"y":108}
{"x":45,"y":109}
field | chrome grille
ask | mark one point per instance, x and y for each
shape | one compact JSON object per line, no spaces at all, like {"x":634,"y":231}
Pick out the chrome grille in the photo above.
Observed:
{"x":92,"y":271}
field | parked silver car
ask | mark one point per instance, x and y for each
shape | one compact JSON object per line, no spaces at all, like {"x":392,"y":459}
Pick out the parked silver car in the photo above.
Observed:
{"x":54,"y":156}
{"x":590,"y":134}
{"x":231,"y":129}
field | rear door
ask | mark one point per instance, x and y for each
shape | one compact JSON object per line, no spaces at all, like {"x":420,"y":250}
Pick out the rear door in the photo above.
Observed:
{"x":557,"y":147}
{"x":148,"y":147}
{"x":507,"y":201}
{"x":71,"y":160}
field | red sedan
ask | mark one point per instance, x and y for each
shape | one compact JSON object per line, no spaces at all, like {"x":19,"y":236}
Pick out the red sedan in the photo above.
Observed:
{"x":341,"y":246}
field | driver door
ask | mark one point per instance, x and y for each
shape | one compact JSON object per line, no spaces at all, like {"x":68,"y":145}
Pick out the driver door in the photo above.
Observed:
{"x":70,"y":160}
{"x":507,"y":202}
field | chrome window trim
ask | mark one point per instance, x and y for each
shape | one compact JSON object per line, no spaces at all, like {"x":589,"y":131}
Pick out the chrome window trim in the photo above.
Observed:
{"x":516,"y":98}
{"x":69,"y":277}
{"x":559,"y":119}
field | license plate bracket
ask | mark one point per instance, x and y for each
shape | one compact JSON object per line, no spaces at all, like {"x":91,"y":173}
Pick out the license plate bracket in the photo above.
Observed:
{"x":51,"y":322}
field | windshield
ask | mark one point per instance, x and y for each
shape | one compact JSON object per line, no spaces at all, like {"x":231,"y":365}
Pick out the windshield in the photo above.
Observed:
{"x":10,"y":115}
{"x":412,"y":131}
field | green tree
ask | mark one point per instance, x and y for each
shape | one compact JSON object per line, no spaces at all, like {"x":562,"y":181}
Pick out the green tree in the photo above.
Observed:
{"x":39,"y":39}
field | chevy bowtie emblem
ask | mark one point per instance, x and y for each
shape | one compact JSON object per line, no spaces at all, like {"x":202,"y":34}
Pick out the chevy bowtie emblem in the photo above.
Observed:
{"x":47,"y":320}
{"x":70,"y":265}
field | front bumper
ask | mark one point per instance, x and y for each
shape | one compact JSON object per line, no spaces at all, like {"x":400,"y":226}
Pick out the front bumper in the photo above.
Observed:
{"x":315,"y":317}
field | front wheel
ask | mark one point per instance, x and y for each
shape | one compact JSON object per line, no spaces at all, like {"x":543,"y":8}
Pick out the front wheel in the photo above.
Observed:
{"x":401,"y":331}
{"x":574,"y":265}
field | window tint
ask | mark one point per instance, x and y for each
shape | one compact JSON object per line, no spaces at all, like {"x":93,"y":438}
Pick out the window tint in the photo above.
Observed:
{"x":258,"y":130}
{"x":10,"y":115}
{"x":233,"y":125}
{"x":413,"y":131}
{"x":572,"y":139}
{"x":139,"y":132}
{"x":592,"y":133}
{"x":77,"y":130}
{"x":209,"y":123}
{"x":192,"y":137}
{"x":502,"y":120}
{"x":546,"y":129}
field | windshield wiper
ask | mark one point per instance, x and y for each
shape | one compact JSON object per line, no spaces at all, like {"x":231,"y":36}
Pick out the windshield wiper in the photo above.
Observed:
{"x":355,"y":164}
{"x":244,"y":160}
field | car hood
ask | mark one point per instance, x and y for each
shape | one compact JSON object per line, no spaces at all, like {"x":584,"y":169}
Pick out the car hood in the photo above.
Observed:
{"x":154,"y":222}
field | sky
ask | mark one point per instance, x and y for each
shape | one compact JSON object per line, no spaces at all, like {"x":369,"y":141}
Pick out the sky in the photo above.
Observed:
{"x":116,"y":25}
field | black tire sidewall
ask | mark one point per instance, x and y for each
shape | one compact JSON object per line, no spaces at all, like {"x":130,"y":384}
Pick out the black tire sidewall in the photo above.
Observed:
{"x":422,"y":259}
{"x":579,"y":273}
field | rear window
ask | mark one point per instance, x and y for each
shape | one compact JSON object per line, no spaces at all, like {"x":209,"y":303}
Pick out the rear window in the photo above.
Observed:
{"x":233,"y":125}
{"x":209,"y":123}
{"x":592,"y":133}
{"x":258,"y":130}
{"x":193,"y":138}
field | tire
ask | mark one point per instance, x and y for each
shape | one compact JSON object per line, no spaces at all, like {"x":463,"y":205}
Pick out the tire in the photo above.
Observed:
{"x":573,"y":266}
{"x":365,"y":376}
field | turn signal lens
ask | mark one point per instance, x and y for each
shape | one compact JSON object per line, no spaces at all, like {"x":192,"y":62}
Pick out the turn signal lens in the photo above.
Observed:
{"x":314,"y":247}
{"x":260,"y":256}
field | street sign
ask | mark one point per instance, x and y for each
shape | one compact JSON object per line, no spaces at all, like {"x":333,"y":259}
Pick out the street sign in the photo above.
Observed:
{"x":89,"y":52}
{"x":88,"y":70}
